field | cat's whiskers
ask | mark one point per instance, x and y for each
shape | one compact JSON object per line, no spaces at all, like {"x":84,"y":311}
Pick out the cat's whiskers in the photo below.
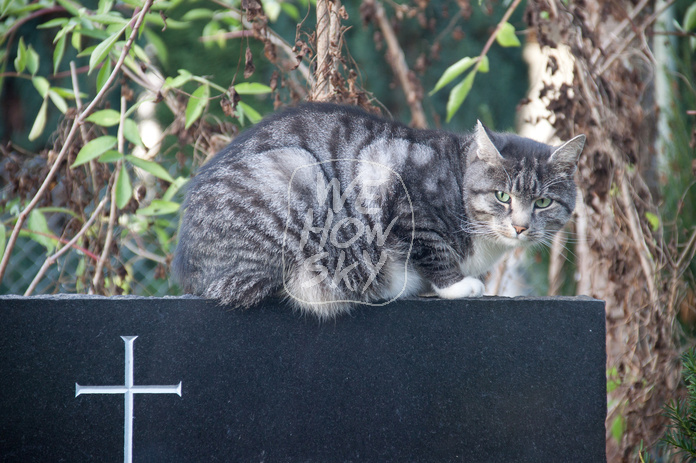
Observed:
{"x":546,"y":243}
{"x":477,"y":228}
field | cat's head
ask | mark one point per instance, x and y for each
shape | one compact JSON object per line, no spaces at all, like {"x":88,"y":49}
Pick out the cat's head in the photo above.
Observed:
{"x":519,"y":191}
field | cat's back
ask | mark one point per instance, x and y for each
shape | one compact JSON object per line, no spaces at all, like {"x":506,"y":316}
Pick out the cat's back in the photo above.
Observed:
{"x":323,"y":130}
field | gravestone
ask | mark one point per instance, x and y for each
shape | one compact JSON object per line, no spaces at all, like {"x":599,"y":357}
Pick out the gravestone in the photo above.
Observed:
{"x":87,"y":378}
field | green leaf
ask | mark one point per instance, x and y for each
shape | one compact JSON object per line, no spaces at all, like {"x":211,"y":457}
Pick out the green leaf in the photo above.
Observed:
{"x":124,"y":190}
{"x":453,"y":72}
{"x":250,"y":112}
{"x":197,"y":13}
{"x":618,"y":427}
{"x":160,"y":47}
{"x":459,"y":94}
{"x":139,"y":52}
{"x":94,"y":149}
{"x":110,"y":156}
{"x":690,"y":18}
{"x":67,"y":93}
{"x":72,"y":7}
{"x":42,"y":85}
{"x":252,"y":88}
{"x":105,"y":6}
{"x":57,"y":22}
{"x":58,"y":53}
{"x":76,"y":40}
{"x":272,"y":9}
{"x":159,"y":207}
{"x":176,"y":82}
{"x":196,"y":104}
{"x":102,"y":50}
{"x":105,"y":117}
{"x":103,"y":74}
{"x":58,"y":100}
{"x":150,"y":167}
{"x":20,"y":61}
{"x":40,"y":121}
{"x":613,"y":379}
{"x":506,"y":36}
{"x":179,"y":182}
{"x":32,"y":60}
{"x":653,"y":220}
{"x":483,"y":67}
{"x":213,"y":30}
{"x":37,"y":222}
{"x":131,"y":132}
{"x":291,"y":10}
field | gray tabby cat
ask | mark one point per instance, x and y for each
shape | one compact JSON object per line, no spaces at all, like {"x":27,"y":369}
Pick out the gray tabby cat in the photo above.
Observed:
{"x":331,"y":206}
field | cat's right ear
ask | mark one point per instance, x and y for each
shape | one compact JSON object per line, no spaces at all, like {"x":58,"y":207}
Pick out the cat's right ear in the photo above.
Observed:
{"x":566,"y":156}
{"x":485,"y":149}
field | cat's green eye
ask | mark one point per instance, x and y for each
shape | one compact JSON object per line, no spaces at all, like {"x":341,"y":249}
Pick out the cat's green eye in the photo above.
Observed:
{"x":541,"y":203}
{"x":502,"y":197}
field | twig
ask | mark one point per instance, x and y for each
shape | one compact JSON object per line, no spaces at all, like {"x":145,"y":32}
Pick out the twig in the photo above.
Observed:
{"x":397,"y":60}
{"x":679,"y":267}
{"x":321,"y":91}
{"x":83,"y":129}
{"x":639,"y":239}
{"x":582,"y":249}
{"x":618,"y":30}
{"x":144,"y":253}
{"x":500,"y":25}
{"x":51,"y":259}
{"x":556,"y":263}
{"x":632,"y":35}
{"x":677,"y":33}
{"x":227,"y":36}
{"x":86,"y":252}
{"x":69,"y":138}
{"x":112,"y":208}
{"x":275,"y":39}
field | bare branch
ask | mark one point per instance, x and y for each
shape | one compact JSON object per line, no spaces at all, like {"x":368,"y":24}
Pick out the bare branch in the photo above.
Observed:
{"x":556,"y":263}
{"x":397,"y":61}
{"x":639,"y":239}
{"x":69,"y":138}
{"x":112,"y":209}
{"x":52,"y":259}
{"x":275,"y":39}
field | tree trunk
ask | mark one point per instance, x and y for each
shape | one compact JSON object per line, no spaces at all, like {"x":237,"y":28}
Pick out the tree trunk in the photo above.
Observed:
{"x":620,"y":252}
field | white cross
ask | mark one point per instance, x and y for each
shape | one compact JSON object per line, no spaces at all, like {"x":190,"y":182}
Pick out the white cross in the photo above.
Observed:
{"x":128,"y":389}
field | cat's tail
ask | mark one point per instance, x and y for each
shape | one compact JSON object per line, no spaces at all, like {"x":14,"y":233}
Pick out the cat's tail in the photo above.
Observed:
{"x":227,"y":281}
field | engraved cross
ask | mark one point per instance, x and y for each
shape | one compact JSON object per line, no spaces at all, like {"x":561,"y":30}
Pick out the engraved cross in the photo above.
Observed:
{"x":128,"y":390}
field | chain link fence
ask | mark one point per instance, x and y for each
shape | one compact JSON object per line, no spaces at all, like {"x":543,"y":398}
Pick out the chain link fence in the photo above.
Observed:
{"x":138,"y":269}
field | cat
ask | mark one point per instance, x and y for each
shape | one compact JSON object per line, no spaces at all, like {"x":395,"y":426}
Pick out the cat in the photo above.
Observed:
{"x":329,"y":206}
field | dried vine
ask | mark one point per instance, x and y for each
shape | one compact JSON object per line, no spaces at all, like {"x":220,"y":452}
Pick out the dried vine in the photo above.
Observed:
{"x":621,"y":255}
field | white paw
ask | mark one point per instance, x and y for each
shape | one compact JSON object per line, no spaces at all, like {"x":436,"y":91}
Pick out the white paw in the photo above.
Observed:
{"x":468,"y":287}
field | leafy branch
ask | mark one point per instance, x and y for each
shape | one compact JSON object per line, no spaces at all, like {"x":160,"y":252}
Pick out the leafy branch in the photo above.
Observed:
{"x":77,"y":122}
{"x":504,"y":34}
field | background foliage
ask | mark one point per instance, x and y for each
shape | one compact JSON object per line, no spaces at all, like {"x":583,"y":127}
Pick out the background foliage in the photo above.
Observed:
{"x":108,"y":108}
{"x":187,"y":59}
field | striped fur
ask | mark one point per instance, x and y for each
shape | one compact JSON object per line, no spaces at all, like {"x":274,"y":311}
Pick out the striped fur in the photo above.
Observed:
{"x":330,"y":206}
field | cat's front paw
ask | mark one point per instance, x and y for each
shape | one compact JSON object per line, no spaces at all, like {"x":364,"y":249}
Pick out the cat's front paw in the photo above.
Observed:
{"x":468,"y":287}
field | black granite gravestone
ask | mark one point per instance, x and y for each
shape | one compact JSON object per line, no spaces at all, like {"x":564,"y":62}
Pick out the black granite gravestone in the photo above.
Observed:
{"x":485,"y":380}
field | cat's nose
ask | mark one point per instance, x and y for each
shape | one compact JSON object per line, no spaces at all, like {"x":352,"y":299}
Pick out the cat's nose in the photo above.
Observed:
{"x":519,"y":229}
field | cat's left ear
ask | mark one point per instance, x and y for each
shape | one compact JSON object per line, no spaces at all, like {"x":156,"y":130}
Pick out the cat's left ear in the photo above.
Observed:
{"x":485,"y":149}
{"x":566,"y":156}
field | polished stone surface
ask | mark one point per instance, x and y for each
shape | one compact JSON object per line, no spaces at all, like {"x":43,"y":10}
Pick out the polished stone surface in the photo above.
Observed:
{"x":484,"y":380}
